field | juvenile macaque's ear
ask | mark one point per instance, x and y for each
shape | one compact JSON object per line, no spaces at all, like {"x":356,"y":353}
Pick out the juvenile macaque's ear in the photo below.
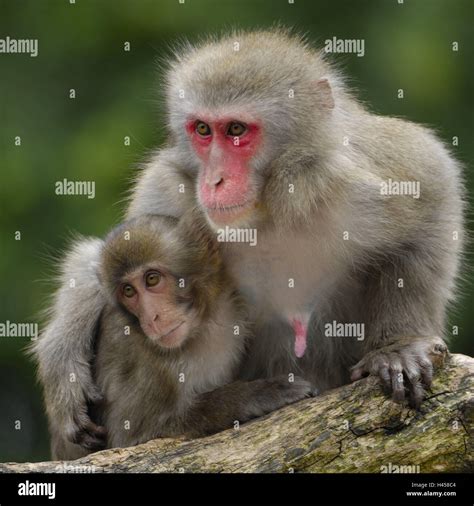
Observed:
{"x":325,"y":93}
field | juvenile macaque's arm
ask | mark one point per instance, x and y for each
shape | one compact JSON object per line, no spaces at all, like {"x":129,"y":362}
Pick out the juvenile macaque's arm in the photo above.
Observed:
{"x":241,"y":401}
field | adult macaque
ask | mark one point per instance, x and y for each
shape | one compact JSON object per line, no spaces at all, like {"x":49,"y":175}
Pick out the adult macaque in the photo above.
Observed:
{"x":171,"y":339}
{"x":263,"y":133}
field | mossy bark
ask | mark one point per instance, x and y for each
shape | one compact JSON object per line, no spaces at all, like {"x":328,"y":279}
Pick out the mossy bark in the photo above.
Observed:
{"x":355,"y":429}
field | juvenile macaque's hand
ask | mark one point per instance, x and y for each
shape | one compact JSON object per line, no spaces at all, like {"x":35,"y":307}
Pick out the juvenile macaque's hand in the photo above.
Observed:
{"x":87,"y":434}
{"x":405,"y":367}
{"x":274,"y":393}
{"x":243,"y":401}
{"x":73,"y":416}
{"x":292,"y":391}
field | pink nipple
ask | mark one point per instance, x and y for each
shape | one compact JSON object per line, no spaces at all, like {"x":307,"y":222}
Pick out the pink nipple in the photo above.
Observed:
{"x":300,"y":330}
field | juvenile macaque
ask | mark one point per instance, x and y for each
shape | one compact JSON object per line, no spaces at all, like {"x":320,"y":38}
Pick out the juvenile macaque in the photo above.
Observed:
{"x":171,"y":338}
{"x":265,"y":134}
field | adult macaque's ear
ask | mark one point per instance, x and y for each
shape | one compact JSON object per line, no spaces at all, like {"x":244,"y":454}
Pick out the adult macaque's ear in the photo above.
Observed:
{"x":325,"y":95}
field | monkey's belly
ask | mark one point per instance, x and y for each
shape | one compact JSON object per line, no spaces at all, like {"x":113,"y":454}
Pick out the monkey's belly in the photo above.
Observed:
{"x":287,"y":283}
{"x":278,"y":275}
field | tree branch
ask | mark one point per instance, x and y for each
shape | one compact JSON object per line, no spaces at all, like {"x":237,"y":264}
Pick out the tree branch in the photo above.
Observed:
{"x":355,"y":428}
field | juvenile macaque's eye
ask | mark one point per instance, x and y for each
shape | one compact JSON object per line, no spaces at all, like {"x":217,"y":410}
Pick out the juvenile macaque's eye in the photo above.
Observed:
{"x":236,"y":129}
{"x":203,"y":128}
{"x":128,"y":291}
{"x":152,"y":278}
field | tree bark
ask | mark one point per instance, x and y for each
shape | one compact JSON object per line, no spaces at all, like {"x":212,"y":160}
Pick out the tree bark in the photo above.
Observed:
{"x":355,"y":428}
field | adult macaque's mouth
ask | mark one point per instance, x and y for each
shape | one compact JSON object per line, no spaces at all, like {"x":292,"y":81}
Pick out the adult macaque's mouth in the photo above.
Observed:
{"x":223,"y":215}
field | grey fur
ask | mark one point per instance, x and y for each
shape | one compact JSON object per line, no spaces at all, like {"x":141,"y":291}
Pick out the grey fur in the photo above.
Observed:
{"x":301,"y":234}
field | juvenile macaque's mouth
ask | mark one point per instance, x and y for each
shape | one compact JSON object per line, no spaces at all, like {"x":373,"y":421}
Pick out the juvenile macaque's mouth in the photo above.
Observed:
{"x":168,"y":338}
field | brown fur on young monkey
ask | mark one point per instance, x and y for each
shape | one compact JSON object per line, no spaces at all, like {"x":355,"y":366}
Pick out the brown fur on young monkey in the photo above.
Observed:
{"x":171,"y":338}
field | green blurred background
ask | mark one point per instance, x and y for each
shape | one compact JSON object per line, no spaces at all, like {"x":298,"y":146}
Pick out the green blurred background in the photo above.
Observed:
{"x":407,"y":46}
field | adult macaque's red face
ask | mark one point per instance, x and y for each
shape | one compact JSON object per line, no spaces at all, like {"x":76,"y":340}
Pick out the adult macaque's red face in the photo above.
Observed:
{"x":225,"y":146}
{"x":148,"y":294}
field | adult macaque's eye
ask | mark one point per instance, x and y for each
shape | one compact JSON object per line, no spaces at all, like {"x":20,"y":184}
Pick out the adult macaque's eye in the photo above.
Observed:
{"x":236,"y":129}
{"x":152,"y":278}
{"x":203,"y":128}
{"x":128,"y":291}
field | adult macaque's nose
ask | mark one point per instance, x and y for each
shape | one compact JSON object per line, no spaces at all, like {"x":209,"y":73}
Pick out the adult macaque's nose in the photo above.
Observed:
{"x":214,"y":179}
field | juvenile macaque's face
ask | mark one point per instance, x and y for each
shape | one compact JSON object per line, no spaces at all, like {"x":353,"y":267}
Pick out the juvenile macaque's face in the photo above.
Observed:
{"x":150,"y":295}
{"x":226,"y":147}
